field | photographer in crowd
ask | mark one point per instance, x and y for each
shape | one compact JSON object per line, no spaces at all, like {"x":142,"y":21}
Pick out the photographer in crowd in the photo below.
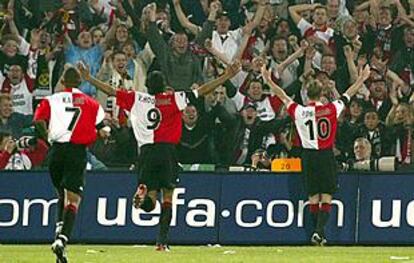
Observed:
{"x":24,"y":153}
{"x":364,"y":161}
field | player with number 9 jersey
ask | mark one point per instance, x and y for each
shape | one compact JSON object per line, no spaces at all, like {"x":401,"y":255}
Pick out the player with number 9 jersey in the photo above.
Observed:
{"x":155,"y":118}
{"x":157,"y":124}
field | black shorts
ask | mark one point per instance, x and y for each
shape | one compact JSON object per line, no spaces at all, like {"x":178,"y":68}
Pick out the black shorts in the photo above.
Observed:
{"x":158,"y":166}
{"x":67,"y":163}
{"x":319,"y":171}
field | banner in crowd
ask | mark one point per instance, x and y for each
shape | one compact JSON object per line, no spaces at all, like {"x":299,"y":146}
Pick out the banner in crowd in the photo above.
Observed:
{"x":212,"y":208}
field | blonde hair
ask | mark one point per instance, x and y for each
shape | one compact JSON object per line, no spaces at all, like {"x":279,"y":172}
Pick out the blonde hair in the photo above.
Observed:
{"x":313,"y":89}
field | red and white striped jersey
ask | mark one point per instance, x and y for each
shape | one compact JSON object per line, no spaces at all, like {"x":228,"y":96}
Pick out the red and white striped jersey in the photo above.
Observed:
{"x":317,"y":123}
{"x":155,"y":118}
{"x":72,"y":116}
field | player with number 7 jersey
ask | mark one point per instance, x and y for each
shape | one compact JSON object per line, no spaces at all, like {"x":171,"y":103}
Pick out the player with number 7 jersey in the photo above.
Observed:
{"x":316,"y":124}
{"x":71,"y":120}
{"x":156,"y":121}
{"x":72,"y":117}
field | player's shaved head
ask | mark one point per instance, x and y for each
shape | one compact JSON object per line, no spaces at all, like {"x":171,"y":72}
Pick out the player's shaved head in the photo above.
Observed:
{"x":156,"y":82}
{"x":71,"y":78}
{"x":314,"y":89}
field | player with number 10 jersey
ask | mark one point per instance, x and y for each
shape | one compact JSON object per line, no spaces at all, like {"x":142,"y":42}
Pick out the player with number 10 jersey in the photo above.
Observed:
{"x":316,"y":124}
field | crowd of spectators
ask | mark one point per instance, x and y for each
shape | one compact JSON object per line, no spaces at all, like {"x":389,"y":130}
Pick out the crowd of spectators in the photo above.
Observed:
{"x":191,"y":42}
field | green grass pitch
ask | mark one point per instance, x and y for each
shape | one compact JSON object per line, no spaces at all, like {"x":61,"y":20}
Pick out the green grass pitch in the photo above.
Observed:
{"x":201,"y":254}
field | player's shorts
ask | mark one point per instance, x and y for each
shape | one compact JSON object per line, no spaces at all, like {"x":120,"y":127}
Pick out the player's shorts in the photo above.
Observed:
{"x":67,"y":163}
{"x":158,"y":166}
{"x":319,"y":171}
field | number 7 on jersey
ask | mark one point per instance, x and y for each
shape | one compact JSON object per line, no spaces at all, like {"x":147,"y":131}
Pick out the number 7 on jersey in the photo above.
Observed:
{"x":76,"y":114}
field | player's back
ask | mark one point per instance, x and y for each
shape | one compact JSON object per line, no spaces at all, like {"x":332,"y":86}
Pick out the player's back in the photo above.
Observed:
{"x":157,"y":118}
{"x":72,"y":116}
{"x":316,"y":123}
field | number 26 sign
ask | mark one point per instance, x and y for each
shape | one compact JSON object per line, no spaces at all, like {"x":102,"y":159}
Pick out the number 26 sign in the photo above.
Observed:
{"x":287,"y":165}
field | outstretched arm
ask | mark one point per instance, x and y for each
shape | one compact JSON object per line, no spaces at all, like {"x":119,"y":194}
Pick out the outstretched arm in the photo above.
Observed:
{"x":353,"y":89}
{"x":102,"y":86}
{"x":278,"y":91}
{"x":230,"y":72}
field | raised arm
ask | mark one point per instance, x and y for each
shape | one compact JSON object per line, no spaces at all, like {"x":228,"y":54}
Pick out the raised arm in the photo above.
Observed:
{"x":363,"y":6}
{"x":23,"y":45}
{"x":230,"y":72}
{"x":184,"y":21}
{"x":389,"y":120}
{"x":278,"y":91}
{"x":67,"y":41}
{"x":155,"y":39}
{"x":243,"y":45}
{"x":102,"y":86}
{"x":295,"y":55}
{"x":208,"y":26}
{"x":105,"y":72}
{"x":395,"y":78}
{"x":310,"y":53}
{"x":374,"y":9}
{"x":353,"y":89}
{"x":402,"y":14}
{"x":295,"y":11}
{"x":352,"y":69}
{"x":257,"y":17}
{"x":220,"y":56}
{"x":147,"y":56}
{"x":110,"y":34}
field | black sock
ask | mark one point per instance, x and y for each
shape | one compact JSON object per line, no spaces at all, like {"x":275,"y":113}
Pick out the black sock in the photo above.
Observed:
{"x":69,"y":217}
{"x":314,"y":211}
{"x":165,"y":220}
{"x":60,"y":207}
{"x":59,"y":214}
{"x":148,"y":205}
{"x":323,"y":217}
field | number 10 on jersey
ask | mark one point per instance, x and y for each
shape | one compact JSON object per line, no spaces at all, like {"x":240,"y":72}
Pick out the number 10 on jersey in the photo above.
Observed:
{"x":323,"y":128}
